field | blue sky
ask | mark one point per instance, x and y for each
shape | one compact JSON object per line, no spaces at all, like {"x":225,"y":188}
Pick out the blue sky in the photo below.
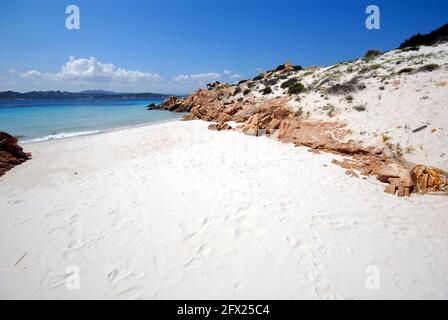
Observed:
{"x":175,"y":46}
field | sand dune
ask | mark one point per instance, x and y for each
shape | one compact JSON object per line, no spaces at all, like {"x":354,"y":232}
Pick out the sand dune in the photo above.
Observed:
{"x":177,"y":211}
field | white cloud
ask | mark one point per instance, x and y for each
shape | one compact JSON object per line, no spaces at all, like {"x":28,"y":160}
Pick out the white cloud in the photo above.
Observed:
{"x":199,"y":77}
{"x":231,"y":74}
{"x":92,"y":70}
{"x":12,"y":71}
{"x":32,"y":74}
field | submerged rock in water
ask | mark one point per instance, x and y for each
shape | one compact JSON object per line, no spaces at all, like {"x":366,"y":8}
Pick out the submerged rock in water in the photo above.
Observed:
{"x":11,"y":154}
{"x":152,"y":106}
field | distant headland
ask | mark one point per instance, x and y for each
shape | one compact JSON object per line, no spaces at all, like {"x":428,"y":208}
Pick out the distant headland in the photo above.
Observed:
{"x":90,"y":94}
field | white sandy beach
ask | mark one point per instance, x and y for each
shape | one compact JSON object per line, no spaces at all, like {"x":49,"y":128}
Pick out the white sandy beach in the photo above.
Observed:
{"x":175,"y":211}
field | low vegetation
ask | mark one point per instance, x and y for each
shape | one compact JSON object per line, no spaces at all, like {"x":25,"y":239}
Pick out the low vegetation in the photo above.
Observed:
{"x":296,"y":88}
{"x":371,"y":54}
{"x":429,"y":39}
{"x":330,"y":110}
{"x":288,"y":83}
{"x":405,"y":70}
{"x":266,"y":91}
{"x":360,"y":108}
{"x":429,"y":67}
{"x":236,"y":91}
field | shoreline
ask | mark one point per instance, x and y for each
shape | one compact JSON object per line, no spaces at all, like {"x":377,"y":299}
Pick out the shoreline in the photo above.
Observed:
{"x":96,"y":131}
{"x":175,"y":210}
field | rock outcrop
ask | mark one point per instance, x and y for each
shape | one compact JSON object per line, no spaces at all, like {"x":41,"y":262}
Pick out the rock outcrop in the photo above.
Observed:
{"x":174,"y":104}
{"x":395,"y":174}
{"x":11,"y":154}
{"x":273,"y":118}
{"x":266,"y":106}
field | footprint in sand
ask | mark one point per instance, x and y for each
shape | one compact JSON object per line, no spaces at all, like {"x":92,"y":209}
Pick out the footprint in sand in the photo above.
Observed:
{"x":116,"y":276}
{"x":76,"y":231}
{"x":131,"y":293}
{"x":293,"y":242}
{"x":55,"y":213}
{"x":199,"y":257}
{"x":55,"y":281}
{"x":398,"y":226}
{"x":311,"y":270}
{"x":317,"y":222}
{"x":307,"y":265}
{"x":323,"y":290}
{"x":190,"y":234}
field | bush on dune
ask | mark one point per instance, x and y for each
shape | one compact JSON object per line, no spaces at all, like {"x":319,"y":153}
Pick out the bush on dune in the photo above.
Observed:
{"x":237,"y":90}
{"x":296,"y":88}
{"x":372,"y":54}
{"x":405,"y":70}
{"x":429,"y":67}
{"x":436,"y":36}
{"x":288,"y":83}
{"x":266,"y":90}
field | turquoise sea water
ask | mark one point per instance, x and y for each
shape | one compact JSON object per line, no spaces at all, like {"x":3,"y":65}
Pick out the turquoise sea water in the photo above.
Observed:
{"x":38,"y":120}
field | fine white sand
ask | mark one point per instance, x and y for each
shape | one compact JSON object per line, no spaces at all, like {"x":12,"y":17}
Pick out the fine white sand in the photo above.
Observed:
{"x":177,"y":211}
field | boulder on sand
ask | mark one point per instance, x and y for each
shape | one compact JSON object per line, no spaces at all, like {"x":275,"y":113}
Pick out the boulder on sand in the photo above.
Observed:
{"x":11,"y":154}
{"x":220,"y":126}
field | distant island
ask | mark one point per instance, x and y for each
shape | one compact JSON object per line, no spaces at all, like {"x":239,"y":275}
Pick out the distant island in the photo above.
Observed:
{"x":90,"y":94}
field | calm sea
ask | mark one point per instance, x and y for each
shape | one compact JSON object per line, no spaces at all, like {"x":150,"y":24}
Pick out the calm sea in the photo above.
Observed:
{"x":39,"y":120}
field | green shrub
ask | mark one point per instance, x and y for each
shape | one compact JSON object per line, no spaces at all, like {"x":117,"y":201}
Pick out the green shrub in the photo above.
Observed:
{"x":330,"y":110}
{"x":405,"y":70}
{"x":237,"y":90}
{"x":259,"y":77}
{"x":371,"y":54}
{"x":288,"y":83}
{"x":246,"y":92}
{"x":360,"y":108}
{"x":297,"y":68}
{"x":429,"y":67}
{"x":429,"y":39}
{"x":280,"y":67}
{"x":413,"y":48}
{"x":296,"y":88}
{"x":266,"y":90}
{"x":270,"y":82}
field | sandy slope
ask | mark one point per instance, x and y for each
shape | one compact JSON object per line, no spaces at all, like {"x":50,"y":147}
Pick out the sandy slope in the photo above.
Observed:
{"x":177,"y":211}
{"x":395,"y":103}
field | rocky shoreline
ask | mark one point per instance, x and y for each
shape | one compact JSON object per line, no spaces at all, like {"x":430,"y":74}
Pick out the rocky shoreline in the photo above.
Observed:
{"x":272,"y":117}
{"x":11,"y":154}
